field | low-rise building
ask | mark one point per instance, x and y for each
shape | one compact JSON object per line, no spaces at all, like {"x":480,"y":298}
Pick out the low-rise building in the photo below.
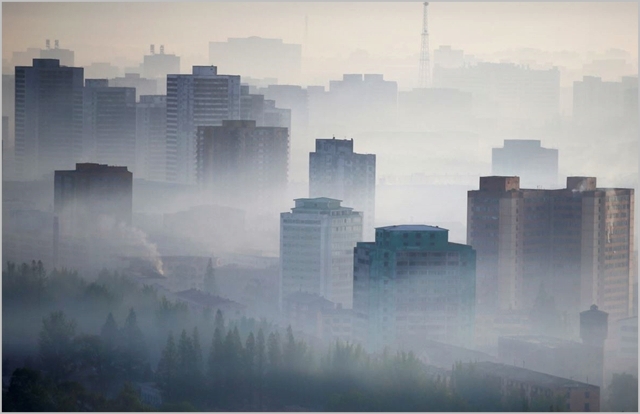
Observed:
{"x":575,"y":396}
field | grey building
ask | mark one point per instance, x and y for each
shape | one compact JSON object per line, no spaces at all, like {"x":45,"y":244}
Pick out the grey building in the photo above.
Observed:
{"x":65,"y":56}
{"x":258,"y":57}
{"x":48,"y":117}
{"x":317,"y":239}
{"x":244,"y":165}
{"x":83,"y":195}
{"x":109,"y":124}
{"x":158,"y":66}
{"x":151,"y":138}
{"x":203,"y":98}
{"x":143,"y":86}
{"x":536,"y":166}
{"x":335,"y":171}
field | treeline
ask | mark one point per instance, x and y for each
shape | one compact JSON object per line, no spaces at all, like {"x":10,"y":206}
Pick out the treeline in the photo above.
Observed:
{"x":95,"y":339}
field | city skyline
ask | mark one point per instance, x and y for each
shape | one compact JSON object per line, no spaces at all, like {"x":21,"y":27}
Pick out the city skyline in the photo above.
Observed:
{"x":569,"y":28}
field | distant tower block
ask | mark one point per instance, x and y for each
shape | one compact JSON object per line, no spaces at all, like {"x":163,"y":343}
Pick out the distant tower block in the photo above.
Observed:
{"x":425,"y":63}
{"x":152,"y":49}
{"x":593,"y":327}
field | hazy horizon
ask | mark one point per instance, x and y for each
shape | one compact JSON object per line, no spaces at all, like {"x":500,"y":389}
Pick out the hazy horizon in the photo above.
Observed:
{"x":340,"y":32}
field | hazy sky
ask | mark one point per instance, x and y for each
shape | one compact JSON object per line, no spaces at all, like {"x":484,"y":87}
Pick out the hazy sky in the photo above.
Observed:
{"x":103,"y":31}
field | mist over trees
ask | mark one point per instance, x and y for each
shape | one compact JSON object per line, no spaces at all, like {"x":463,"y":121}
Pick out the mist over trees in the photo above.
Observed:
{"x":73,"y":345}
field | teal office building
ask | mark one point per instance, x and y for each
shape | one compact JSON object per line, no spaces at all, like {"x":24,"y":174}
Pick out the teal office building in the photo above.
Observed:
{"x":412,"y":285}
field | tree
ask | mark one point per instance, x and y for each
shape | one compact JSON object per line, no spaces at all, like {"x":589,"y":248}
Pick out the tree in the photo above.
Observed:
{"x":134,"y":349}
{"x":28,"y":392}
{"x":260,"y":365}
{"x":248,"y":364}
{"x":210,"y":285}
{"x":274,"y":352}
{"x":56,"y":344}
{"x":167,"y":372}
{"x":127,"y":400}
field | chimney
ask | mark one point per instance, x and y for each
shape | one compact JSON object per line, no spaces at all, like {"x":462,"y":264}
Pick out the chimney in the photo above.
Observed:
{"x":48,"y":44}
{"x":162,"y":49}
{"x":57,"y":44}
{"x":152,"y":49}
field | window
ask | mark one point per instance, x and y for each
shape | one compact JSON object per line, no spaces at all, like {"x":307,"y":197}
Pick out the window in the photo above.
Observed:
{"x":586,"y":407}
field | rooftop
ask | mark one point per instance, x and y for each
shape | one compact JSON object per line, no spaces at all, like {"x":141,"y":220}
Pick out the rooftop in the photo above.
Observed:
{"x":524,"y":375}
{"x":411,"y":227}
{"x":546,"y":341}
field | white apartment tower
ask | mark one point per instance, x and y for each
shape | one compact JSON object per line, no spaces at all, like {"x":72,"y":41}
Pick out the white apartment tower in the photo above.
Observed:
{"x":317,"y":239}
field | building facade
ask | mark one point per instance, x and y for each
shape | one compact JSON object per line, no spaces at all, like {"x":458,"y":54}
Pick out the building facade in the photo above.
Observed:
{"x":577,"y":241}
{"x":143,"y":86}
{"x":241,"y":164}
{"x":335,"y":171}
{"x":109,"y":124}
{"x":561,"y":393}
{"x":48,"y":118}
{"x":412,"y":284}
{"x":151,"y":138}
{"x":316,"y":249}
{"x":536,"y":166}
{"x":258,"y":57}
{"x":203,"y":98}
{"x":83,"y":195}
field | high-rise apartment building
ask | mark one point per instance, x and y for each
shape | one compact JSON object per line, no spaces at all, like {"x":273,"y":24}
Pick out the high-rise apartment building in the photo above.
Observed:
{"x":65,"y":56}
{"x":244,"y":165}
{"x":536,"y":166}
{"x":151,"y":138}
{"x":159,"y":66}
{"x":203,"y":98}
{"x":82,"y":196}
{"x":258,"y":57}
{"x":317,"y":239}
{"x":363,"y":102}
{"x":505,"y":90}
{"x":335,"y":171}
{"x":48,"y":118}
{"x":576,"y":242}
{"x":412,"y":284}
{"x":109,"y":124}
{"x":143,"y":86}
{"x":597,"y":102}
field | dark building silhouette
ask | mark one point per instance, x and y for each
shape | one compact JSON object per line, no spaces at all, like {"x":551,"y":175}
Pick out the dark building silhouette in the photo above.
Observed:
{"x":576,"y":242}
{"x":82,"y":196}
{"x":412,"y":284}
{"x":335,"y":171}
{"x":109,"y":124}
{"x":244,"y":165}
{"x":48,"y":118}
